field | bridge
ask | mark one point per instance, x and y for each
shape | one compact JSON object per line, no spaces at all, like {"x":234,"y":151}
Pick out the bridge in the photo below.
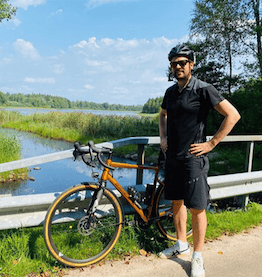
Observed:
{"x":29,"y":211}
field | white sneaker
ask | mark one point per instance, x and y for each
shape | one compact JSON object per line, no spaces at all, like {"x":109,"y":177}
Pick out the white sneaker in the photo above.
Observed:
{"x":174,"y":251}
{"x":197,"y":268}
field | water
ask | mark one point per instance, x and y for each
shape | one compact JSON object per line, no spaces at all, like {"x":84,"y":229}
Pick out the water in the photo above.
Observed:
{"x":28,"y":111}
{"x":60,"y":175}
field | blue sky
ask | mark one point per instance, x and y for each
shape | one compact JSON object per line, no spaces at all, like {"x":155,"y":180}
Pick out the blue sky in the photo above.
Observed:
{"x":111,"y":51}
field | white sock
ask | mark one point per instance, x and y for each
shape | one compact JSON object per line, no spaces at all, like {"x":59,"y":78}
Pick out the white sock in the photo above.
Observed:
{"x":197,"y":255}
{"x":182,"y":245}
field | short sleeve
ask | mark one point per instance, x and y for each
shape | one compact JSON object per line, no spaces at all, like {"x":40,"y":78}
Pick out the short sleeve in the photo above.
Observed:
{"x":212,"y":95}
{"x":164,"y":103}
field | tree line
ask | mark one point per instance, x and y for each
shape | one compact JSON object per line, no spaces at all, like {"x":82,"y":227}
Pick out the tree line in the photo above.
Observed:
{"x":57,"y":102}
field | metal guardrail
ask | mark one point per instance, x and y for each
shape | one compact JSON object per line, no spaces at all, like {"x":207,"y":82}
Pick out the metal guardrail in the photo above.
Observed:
{"x":27,"y":211}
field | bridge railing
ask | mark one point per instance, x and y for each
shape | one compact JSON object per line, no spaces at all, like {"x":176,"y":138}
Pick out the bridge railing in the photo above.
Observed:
{"x":26,"y":211}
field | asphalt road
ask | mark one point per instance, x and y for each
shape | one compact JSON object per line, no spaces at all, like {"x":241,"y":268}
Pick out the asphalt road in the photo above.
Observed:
{"x":229,"y":256}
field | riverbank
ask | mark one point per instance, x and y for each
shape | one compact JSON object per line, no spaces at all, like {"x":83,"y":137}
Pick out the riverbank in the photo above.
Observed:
{"x":10,"y":150}
{"x":84,"y":127}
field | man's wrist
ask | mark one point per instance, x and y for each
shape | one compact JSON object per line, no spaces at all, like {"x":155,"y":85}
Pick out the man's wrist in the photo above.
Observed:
{"x":214,"y":142}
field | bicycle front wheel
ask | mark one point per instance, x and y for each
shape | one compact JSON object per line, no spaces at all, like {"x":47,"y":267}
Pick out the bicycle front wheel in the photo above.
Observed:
{"x":164,"y":210}
{"x":77,"y":238}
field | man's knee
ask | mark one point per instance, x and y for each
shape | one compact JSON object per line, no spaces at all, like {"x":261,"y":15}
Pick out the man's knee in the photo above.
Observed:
{"x":177,"y":205}
{"x":197,"y":212}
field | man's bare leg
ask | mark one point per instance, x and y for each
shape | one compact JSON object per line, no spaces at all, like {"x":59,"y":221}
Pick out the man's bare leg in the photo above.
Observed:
{"x":180,"y":219}
{"x":199,"y":225}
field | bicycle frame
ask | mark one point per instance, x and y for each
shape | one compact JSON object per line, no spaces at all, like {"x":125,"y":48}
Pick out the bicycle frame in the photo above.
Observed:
{"x":107,"y":176}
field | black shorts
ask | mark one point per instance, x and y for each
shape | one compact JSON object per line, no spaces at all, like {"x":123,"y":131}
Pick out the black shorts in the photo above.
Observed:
{"x":187,"y":180}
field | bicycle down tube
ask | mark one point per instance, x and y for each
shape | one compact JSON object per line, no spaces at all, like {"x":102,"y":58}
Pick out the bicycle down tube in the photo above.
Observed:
{"x":107,"y":176}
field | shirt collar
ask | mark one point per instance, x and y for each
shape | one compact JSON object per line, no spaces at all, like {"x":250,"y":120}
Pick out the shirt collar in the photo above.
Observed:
{"x":189,"y":85}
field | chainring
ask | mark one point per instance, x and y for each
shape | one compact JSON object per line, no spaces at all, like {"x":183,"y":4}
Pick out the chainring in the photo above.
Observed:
{"x":141,"y":223}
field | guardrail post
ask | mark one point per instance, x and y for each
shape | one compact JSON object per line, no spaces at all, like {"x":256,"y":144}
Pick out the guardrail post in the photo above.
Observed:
{"x":140,"y":161}
{"x":249,"y":162}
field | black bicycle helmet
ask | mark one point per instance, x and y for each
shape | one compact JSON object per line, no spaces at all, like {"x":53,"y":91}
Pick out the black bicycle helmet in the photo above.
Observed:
{"x":181,"y":50}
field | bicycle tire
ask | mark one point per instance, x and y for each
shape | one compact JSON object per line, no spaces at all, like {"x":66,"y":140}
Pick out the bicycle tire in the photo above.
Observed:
{"x":75,"y":239}
{"x":166,"y":222}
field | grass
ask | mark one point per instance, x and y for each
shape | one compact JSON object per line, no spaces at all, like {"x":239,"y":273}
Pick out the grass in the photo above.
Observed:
{"x":82,"y":127}
{"x":10,"y":150}
{"x":23,"y":252}
{"x":79,"y":126}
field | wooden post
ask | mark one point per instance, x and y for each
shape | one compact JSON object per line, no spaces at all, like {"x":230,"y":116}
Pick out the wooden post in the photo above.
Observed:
{"x":140,"y":161}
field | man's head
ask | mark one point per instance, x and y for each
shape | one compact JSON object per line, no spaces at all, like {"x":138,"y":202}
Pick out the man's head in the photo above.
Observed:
{"x":181,"y":60}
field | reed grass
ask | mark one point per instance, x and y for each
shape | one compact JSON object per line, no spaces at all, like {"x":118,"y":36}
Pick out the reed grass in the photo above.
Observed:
{"x":76,"y":126}
{"x":10,"y":150}
{"x":82,"y":127}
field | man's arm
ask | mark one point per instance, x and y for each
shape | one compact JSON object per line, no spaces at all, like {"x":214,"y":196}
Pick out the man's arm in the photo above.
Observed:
{"x":162,"y":120}
{"x":231,"y":118}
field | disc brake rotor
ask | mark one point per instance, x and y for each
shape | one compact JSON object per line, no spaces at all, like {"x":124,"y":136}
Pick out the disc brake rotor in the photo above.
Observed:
{"x":87,"y":225}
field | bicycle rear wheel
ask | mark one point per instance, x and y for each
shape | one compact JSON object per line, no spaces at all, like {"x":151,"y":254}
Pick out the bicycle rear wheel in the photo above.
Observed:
{"x":75,"y":238}
{"x":164,"y":210}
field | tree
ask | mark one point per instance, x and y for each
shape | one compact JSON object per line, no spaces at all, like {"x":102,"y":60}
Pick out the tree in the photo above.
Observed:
{"x":222,"y":26}
{"x":152,"y":105}
{"x":6,"y":10}
{"x":3,"y":99}
{"x":207,"y":68}
{"x":254,"y":29}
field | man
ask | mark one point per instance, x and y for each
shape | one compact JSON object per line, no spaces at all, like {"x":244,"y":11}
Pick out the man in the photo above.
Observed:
{"x":182,"y":128}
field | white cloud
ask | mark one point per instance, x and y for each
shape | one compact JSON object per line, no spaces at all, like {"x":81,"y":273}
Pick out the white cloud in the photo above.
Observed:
{"x":88,"y":87}
{"x":95,"y":63}
{"x":24,"y":4}
{"x":58,"y":68}
{"x":26,"y":49}
{"x":39,"y":80}
{"x":90,"y":43}
{"x":91,"y":4}
{"x":16,"y":22}
{"x":100,"y":70}
{"x":123,"y":71}
{"x":159,"y":79}
{"x":57,"y":12}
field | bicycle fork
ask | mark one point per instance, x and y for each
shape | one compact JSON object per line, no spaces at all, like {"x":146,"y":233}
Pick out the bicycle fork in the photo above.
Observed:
{"x":96,"y":198}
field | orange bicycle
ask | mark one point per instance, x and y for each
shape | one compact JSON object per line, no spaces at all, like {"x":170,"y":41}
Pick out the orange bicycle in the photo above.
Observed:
{"x":84,"y":223}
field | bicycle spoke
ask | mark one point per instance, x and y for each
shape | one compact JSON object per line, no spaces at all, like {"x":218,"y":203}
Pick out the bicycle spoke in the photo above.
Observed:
{"x":78,"y":239}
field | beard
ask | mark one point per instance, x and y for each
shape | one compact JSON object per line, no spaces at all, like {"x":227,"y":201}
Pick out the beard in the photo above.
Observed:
{"x":180,"y":75}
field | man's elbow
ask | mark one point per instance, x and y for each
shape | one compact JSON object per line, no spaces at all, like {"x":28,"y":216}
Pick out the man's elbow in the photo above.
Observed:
{"x":235,"y":117}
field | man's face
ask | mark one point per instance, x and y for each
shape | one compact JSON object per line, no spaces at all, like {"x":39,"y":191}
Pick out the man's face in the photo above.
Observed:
{"x":181,"y":67}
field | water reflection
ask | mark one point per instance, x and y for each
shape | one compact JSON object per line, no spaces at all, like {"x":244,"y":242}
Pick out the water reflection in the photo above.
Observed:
{"x":59,"y":175}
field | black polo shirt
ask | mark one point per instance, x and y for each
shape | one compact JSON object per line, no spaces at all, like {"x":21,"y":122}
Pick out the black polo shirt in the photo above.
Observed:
{"x":187,"y":113}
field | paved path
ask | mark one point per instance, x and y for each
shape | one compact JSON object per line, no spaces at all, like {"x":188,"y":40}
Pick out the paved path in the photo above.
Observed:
{"x":233,"y":256}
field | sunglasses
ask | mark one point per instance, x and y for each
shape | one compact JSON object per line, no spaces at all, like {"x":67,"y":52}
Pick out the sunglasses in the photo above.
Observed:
{"x":181,"y":63}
